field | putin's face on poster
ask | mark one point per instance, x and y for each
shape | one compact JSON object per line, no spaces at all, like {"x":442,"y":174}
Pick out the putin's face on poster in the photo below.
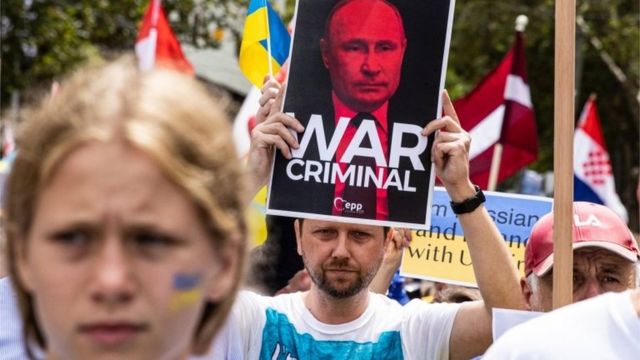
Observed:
{"x":364,"y":53}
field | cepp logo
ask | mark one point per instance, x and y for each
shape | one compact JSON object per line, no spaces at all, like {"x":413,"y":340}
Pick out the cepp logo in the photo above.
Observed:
{"x":343,"y":205}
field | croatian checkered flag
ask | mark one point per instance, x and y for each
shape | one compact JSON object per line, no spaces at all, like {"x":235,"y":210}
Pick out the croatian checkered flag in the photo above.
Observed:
{"x":593,"y":176}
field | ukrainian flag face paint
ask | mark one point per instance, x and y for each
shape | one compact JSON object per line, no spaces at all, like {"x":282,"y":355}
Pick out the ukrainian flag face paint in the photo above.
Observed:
{"x":187,"y":291}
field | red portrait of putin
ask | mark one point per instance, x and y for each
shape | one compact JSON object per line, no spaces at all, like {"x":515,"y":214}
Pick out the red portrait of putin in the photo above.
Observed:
{"x":363,"y":49}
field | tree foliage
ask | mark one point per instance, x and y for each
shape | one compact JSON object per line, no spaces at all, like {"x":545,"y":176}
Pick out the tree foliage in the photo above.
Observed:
{"x":44,"y":39}
{"x":484,"y":31}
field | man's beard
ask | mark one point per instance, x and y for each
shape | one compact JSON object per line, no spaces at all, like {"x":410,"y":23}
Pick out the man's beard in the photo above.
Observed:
{"x":318,"y":276}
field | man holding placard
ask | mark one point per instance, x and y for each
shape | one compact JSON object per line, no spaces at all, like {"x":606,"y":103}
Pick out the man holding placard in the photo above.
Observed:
{"x":339,"y":317}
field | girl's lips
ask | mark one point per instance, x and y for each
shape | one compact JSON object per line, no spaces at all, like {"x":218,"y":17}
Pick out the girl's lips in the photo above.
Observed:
{"x":112,"y":333}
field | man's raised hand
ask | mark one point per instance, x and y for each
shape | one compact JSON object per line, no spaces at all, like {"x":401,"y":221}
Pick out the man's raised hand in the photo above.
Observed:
{"x":450,"y":152}
{"x":273,"y":130}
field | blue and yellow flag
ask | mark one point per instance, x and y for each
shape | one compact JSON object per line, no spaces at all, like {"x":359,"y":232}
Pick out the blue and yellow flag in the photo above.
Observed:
{"x":263,"y":23}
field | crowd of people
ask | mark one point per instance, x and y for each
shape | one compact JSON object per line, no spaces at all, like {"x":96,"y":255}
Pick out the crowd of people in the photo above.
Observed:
{"x":126,"y":239}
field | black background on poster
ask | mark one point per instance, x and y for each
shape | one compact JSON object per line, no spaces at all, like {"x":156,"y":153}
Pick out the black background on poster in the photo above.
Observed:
{"x":309,"y":91}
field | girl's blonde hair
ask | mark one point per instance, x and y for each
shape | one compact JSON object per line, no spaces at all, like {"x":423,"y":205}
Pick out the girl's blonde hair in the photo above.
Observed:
{"x":168,"y":116}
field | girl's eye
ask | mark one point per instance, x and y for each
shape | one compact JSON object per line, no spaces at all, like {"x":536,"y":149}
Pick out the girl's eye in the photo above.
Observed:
{"x":73,"y":244}
{"x":150,"y":239}
{"x":153,"y":245}
{"x":72,"y":238}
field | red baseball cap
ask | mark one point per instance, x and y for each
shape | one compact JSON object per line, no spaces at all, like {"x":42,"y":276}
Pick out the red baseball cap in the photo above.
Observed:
{"x":593,"y":226}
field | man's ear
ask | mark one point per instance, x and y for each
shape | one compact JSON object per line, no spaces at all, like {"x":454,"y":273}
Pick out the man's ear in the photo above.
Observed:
{"x":389,"y":237}
{"x":298,"y":228}
{"x":526,"y":292}
{"x":324,"y":51}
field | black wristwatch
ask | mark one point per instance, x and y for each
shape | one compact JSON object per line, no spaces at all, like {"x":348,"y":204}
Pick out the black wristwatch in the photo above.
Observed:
{"x":469,"y":204}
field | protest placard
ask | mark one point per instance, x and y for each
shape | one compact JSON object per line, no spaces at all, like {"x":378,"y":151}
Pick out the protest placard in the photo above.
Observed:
{"x":364,"y":80}
{"x":441,"y":254}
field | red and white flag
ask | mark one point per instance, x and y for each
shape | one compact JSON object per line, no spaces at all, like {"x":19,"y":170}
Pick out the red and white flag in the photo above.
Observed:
{"x":593,"y":175}
{"x":157,"y":44}
{"x":499,"y":110}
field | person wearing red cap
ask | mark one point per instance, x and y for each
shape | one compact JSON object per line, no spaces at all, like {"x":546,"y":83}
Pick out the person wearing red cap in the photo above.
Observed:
{"x":605,"y":254}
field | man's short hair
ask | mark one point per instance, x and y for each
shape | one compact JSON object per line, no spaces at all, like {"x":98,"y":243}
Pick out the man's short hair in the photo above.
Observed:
{"x":385,"y":229}
{"x":342,"y":3}
{"x":593,"y":226}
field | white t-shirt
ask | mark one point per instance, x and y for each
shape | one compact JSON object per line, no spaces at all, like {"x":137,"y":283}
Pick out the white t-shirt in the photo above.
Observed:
{"x":11,"y":343}
{"x":282,"y":327}
{"x":605,"y":327}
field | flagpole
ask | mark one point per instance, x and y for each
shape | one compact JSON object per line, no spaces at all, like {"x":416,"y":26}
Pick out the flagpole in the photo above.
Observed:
{"x":495,"y":167}
{"x":564,"y":112}
{"x":266,"y":8}
{"x":496,"y":159}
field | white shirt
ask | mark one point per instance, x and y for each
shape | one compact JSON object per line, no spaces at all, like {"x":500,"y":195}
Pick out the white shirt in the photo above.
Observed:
{"x":11,"y":343}
{"x":605,"y":327}
{"x":283,"y":328}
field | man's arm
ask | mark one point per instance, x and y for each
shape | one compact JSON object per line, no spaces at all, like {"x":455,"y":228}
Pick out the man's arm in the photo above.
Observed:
{"x":274,"y":262}
{"x":495,"y":272}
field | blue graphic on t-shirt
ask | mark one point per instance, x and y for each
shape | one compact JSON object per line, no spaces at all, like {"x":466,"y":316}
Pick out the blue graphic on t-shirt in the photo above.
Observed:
{"x":281,"y":341}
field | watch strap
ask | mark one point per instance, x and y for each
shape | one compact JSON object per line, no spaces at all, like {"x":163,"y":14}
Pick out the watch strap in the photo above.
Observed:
{"x":468,"y":205}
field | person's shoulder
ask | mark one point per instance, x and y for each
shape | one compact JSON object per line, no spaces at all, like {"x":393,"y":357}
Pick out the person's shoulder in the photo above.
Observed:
{"x":288,"y":299}
{"x":421,"y":305}
{"x":8,"y":299}
{"x":570,"y":323}
{"x":415,"y":307}
{"x":596,"y":305}
{"x":5,"y":282}
{"x":283,"y":301}
{"x":11,"y":343}
{"x":383,"y":301}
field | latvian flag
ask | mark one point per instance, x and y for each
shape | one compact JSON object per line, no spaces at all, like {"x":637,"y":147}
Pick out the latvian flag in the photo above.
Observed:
{"x":499,"y":109}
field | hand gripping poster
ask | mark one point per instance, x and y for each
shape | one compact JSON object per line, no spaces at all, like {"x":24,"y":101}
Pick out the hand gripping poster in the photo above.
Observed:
{"x":365,"y":78}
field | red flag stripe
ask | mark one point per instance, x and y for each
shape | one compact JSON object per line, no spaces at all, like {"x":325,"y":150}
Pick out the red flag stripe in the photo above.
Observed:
{"x":157,"y":45}
{"x":499,"y":109}
{"x":590,"y":122}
